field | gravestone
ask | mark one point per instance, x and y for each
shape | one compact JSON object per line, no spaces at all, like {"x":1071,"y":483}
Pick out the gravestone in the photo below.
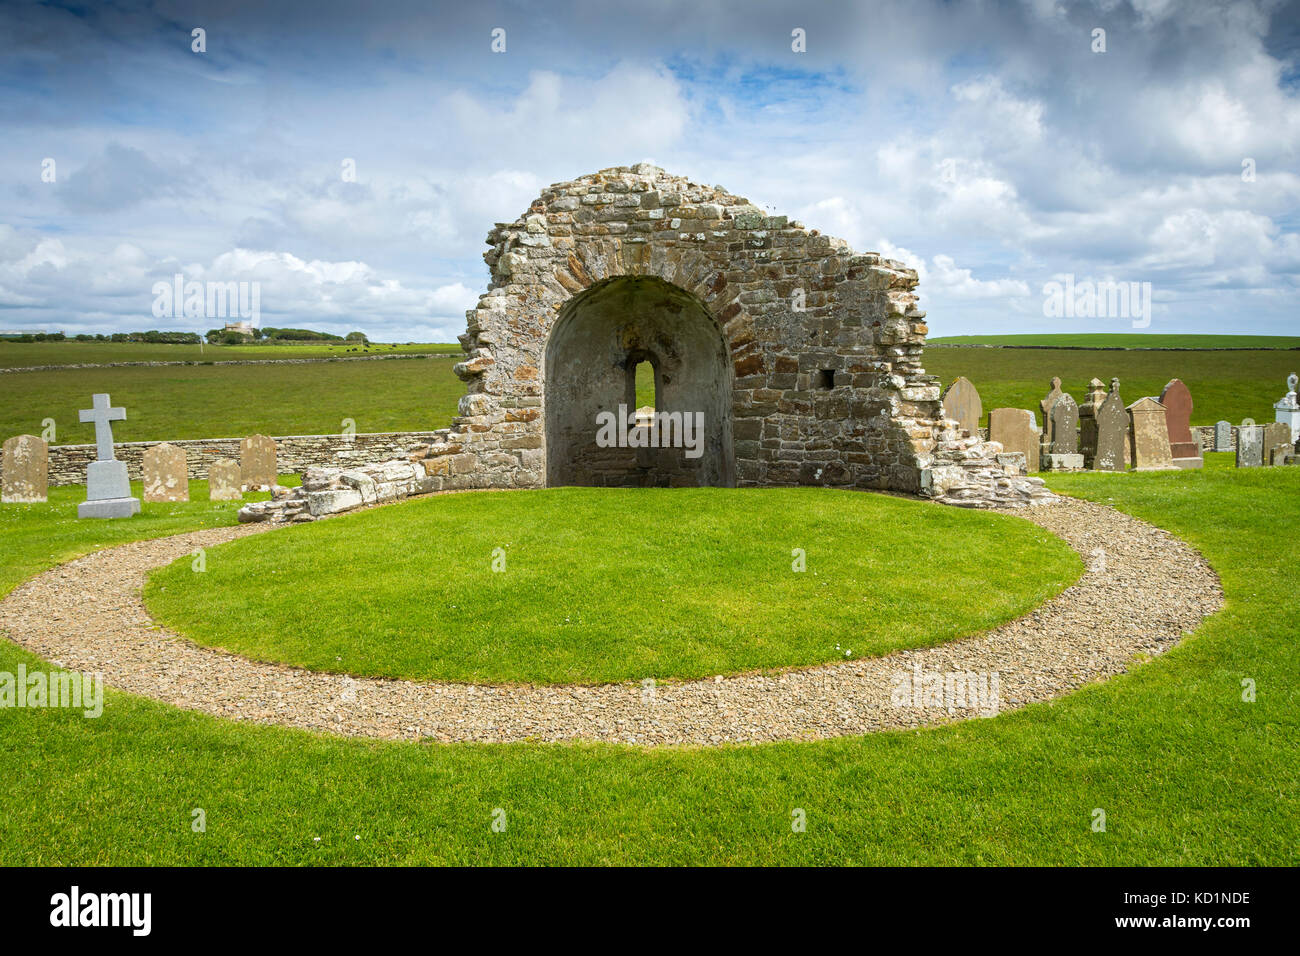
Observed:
{"x":1287,"y":411}
{"x":1149,"y":436}
{"x":24,"y":470}
{"x":1183,"y":448}
{"x":225,"y":481}
{"x":1015,"y":431}
{"x":1063,"y":451}
{"x":1112,"y":430}
{"x":1276,"y":434}
{"x":1088,"y":420}
{"x":1045,"y":406}
{"x":1281,"y":454}
{"x":108,"y":490}
{"x":166,"y":473}
{"x":962,"y":402}
{"x":257,"y":464}
{"x":1223,"y":436}
{"x":1250,"y":444}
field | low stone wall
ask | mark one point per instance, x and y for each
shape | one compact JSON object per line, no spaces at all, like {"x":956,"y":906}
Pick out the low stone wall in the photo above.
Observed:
{"x":295,"y":453}
{"x":1206,"y":435}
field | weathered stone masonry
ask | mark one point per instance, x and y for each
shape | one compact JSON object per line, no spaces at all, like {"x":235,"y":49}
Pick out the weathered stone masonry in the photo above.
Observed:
{"x":805,"y":357}
{"x":294,"y":453}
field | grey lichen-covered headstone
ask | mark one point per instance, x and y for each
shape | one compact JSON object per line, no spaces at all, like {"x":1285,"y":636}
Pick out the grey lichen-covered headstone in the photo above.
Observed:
{"x":1276,"y":435}
{"x":1045,"y":406}
{"x":1149,"y":433}
{"x":961,"y":401}
{"x":225,"y":481}
{"x":1112,"y":429}
{"x":1065,"y":426}
{"x":1223,"y":436}
{"x":24,"y":470}
{"x":166,"y":473}
{"x":1250,"y":444}
{"x":108,"y":490}
{"x":1014,"y":429}
{"x":257,"y":463}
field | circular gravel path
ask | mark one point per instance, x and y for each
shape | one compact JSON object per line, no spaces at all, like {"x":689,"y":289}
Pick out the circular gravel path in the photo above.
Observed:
{"x":1142,"y":591}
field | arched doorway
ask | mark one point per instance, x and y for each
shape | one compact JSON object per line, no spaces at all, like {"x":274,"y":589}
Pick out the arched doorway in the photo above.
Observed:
{"x":599,"y":339}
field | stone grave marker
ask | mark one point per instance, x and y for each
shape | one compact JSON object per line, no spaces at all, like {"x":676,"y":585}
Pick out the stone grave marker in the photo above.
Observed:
{"x":257,"y":464}
{"x":1112,"y":430}
{"x":1287,"y":411}
{"x":1184,"y":449}
{"x":1063,"y":452}
{"x":108,"y":490}
{"x":24,"y":470}
{"x":961,"y":401}
{"x":1223,"y":436}
{"x":1045,"y":406}
{"x":1149,"y":433}
{"x":225,"y":481}
{"x":166,"y":473}
{"x":1276,"y":435}
{"x":1250,"y":444}
{"x":1015,"y":430}
{"x":1088,"y":420}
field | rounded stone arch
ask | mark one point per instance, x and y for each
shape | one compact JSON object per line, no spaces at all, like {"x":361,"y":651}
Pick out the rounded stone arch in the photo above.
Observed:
{"x":824,"y":345}
{"x":588,"y":380}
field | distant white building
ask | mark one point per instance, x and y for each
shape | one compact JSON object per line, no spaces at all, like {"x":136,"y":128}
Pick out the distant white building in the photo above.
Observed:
{"x":243,"y":327}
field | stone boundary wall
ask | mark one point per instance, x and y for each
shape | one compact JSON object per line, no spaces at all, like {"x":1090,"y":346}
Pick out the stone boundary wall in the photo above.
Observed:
{"x":295,"y":453}
{"x":285,"y":361}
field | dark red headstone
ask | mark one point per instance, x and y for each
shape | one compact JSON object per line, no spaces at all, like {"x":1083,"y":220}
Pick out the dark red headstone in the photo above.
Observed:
{"x":1177,"y":400}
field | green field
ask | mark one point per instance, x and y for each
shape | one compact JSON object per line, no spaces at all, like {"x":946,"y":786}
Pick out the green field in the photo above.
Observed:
{"x":25,"y":354}
{"x":603,"y":585}
{"x":1186,"y":771}
{"x":214,"y":401}
{"x":1224,"y":385}
{"x":1124,"y":340}
{"x":219,"y":401}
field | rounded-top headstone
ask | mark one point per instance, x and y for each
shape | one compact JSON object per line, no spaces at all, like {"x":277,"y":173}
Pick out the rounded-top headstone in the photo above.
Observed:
{"x":961,"y":402}
{"x":166,"y":473}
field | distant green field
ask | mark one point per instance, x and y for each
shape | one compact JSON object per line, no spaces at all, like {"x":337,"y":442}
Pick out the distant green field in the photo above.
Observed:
{"x":21,"y":354}
{"x":1224,"y":385}
{"x":1126,"y":340}
{"x":227,"y":401}
{"x":215,"y":401}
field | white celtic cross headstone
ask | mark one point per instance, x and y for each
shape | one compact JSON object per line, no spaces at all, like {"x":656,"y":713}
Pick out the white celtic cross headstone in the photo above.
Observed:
{"x":108,"y":490}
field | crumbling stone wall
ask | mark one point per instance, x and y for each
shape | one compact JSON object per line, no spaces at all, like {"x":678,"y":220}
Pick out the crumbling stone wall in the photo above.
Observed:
{"x":804,"y":356}
{"x":823,"y":345}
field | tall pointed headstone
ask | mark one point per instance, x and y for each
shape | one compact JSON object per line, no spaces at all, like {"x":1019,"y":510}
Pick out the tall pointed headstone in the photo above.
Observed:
{"x":1112,"y":429}
{"x":108,"y":490}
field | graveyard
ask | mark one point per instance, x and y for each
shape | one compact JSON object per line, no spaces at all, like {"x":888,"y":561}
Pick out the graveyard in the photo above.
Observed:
{"x":1156,"y":730}
{"x":961,"y":599}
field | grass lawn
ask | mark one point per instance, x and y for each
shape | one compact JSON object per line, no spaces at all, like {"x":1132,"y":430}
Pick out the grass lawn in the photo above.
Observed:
{"x":20,"y":354}
{"x":1186,"y":772}
{"x":605,"y":585}
{"x":1224,"y":385}
{"x":1125,"y":340}
{"x":227,"y":401}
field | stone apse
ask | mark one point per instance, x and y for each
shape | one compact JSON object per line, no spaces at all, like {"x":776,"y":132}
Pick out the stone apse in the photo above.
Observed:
{"x":803,"y":357}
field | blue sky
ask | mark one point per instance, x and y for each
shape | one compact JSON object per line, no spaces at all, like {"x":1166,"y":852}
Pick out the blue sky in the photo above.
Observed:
{"x":986,"y":144}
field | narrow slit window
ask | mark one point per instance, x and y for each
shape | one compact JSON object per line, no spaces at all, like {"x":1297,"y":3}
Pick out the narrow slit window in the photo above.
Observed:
{"x":826,"y":378}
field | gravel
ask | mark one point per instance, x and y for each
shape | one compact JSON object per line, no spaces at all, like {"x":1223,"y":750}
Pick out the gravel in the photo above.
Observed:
{"x":1143,"y":590}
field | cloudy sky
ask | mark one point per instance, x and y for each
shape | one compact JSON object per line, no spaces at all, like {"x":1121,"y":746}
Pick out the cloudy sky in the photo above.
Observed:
{"x":985,"y":144}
